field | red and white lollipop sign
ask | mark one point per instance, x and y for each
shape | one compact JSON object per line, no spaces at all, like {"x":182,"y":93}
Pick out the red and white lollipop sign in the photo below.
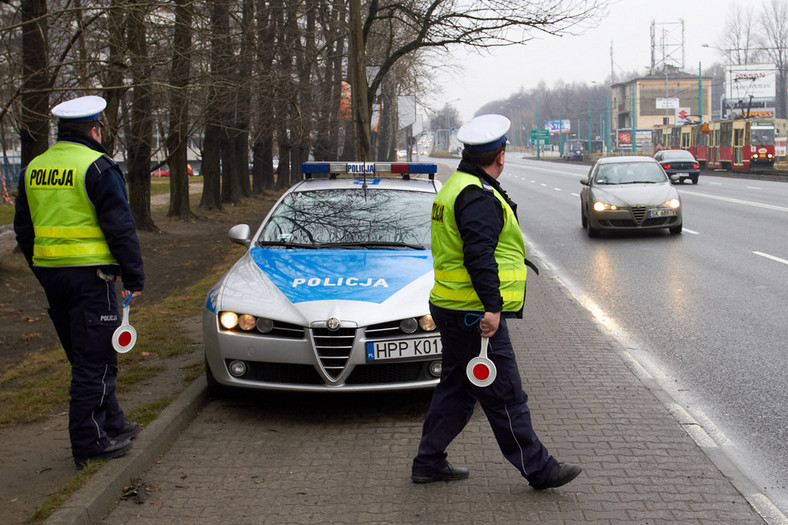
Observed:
{"x":480,"y":370}
{"x":125,"y":335}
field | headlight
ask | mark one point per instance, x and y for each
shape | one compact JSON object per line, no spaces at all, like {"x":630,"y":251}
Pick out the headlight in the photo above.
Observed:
{"x":427,"y":323}
{"x":671,"y":203}
{"x":408,"y":325}
{"x":246,"y":322}
{"x":228,"y":320}
{"x":602,"y":206}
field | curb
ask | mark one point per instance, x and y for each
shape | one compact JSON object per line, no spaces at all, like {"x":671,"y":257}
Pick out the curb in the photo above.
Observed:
{"x":91,"y":503}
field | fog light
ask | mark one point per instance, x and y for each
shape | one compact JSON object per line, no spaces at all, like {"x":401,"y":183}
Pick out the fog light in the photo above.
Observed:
{"x":237,"y":368}
{"x":228,"y":320}
{"x":435,"y":368}
{"x":427,"y":323}
{"x":264,"y":325}
{"x":246,"y":322}
{"x":408,"y":325}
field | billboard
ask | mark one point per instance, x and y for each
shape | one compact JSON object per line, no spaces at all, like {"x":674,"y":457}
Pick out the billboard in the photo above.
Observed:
{"x":554,"y":126}
{"x":750,"y":80}
{"x":624,"y":138}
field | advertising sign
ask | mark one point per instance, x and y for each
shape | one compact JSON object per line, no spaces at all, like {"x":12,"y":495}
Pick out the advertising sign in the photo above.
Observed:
{"x":667,"y":103}
{"x":624,"y":138}
{"x":555,"y":126}
{"x":750,"y":80}
{"x":682,"y":115}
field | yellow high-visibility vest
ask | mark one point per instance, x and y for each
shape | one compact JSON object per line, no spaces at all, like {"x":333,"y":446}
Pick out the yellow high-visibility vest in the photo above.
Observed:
{"x":65,"y":222}
{"x":453,"y":288}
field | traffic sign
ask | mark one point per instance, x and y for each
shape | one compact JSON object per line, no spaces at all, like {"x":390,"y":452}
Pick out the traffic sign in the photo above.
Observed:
{"x":540,"y":134}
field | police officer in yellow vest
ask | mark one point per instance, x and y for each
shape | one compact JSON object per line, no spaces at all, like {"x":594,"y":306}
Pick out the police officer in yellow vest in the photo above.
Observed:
{"x":480,"y":273}
{"x":74,"y":226}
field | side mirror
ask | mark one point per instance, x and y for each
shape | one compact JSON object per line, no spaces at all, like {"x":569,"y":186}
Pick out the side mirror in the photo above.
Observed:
{"x":584,"y":181}
{"x":240,"y":234}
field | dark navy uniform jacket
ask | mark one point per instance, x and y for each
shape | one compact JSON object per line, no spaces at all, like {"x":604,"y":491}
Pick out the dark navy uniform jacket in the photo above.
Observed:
{"x":479,"y":217}
{"x":106,"y":189}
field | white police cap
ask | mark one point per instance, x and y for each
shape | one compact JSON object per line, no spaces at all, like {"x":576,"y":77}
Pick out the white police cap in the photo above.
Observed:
{"x":484,"y":132}
{"x":82,"y":109}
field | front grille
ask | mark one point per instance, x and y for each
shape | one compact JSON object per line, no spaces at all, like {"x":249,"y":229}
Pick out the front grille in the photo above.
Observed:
{"x":389,"y":329}
{"x":282,"y":373}
{"x":389,"y":373}
{"x":638,"y":212}
{"x":333,"y":349}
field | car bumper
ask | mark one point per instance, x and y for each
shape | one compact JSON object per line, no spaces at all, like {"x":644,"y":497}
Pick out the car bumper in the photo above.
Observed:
{"x":294,"y":363}
{"x":631,"y":219}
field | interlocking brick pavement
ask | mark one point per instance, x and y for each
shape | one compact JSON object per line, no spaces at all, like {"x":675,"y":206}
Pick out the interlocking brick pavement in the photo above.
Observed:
{"x":292,"y":458}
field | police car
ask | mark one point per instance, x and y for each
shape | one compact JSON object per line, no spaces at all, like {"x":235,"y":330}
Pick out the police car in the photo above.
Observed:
{"x":332,"y":293}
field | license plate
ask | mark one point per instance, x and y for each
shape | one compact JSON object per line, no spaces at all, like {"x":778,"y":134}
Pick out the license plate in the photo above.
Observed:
{"x":403,"y":349}
{"x":683,"y":174}
{"x":667,"y":212}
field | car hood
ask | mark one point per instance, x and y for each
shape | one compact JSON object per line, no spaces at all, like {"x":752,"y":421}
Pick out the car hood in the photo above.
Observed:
{"x":302,"y":286}
{"x":636,"y":194}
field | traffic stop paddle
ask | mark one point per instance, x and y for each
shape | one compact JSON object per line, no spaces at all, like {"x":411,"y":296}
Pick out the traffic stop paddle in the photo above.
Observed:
{"x":125,"y":335}
{"x":481,"y":370}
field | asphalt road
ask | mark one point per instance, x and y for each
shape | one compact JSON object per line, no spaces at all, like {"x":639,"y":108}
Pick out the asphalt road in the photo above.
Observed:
{"x":705,"y":311}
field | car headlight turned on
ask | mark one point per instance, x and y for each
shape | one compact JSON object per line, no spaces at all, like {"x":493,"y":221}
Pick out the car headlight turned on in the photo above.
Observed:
{"x":245,"y":322}
{"x":228,"y":320}
{"x":671,"y":203}
{"x":603,"y":206}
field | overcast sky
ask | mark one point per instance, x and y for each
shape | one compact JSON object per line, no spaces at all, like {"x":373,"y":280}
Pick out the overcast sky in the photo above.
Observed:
{"x":586,"y":58}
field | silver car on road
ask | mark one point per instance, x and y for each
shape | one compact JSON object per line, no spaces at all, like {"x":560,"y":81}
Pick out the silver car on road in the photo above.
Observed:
{"x":629,"y":193}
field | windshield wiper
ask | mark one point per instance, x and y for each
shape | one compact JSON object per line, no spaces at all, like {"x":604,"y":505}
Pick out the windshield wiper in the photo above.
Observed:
{"x":373,"y":244}
{"x":284,"y":244}
{"x":638,"y":182}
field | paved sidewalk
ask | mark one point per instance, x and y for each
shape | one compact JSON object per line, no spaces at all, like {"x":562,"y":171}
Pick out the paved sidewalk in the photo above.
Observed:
{"x":283,"y":458}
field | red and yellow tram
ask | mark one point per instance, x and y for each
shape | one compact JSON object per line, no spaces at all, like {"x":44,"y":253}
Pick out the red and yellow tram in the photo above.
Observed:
{"x":736,"y":145}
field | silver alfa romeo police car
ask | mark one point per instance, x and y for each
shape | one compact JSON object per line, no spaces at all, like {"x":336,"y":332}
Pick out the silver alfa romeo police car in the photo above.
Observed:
{"x":332,"y":293}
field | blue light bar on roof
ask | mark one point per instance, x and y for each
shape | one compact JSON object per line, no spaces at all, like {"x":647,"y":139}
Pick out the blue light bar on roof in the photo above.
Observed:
{"x":362,"y":169}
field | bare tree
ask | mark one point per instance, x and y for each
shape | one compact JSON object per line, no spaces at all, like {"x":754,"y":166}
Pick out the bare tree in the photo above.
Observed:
{"x":34,"y":117}
{"x":179,"y":111}
{"x":774,"y":41}
{"x":738,"y":43}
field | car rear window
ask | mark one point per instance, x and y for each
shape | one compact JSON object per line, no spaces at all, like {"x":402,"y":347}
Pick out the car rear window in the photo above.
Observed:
{"x":351,"y":216}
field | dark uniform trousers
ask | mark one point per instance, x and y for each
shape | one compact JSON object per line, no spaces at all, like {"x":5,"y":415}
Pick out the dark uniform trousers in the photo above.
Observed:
{"x":84,"y":310}
{"x":504,"y":402}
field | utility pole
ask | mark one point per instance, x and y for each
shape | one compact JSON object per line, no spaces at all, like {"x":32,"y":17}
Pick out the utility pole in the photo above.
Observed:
{"x":358,"y":79}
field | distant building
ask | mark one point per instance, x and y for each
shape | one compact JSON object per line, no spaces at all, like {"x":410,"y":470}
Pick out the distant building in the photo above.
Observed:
{"x":664,"y":98}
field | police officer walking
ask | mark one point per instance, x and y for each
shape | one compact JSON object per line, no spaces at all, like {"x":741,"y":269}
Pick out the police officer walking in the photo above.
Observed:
{"x":480,"y":273}
{"x":75,"y":228}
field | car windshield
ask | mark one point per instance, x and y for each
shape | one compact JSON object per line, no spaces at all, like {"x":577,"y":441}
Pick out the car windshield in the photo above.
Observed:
{"x":351,"y":218}
{"x":677,"y":155}
{"x":630,"y":173}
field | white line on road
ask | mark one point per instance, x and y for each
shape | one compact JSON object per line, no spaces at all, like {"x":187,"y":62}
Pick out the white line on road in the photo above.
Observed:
{"x":772,"y":257}
{"x":753,"y":188}
{"x":737,"y":201}
{"x":687,"y":230}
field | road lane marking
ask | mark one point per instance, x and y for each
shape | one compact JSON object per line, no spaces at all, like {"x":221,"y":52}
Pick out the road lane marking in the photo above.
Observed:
{"x":737,"y":201}
{"x":687,"y":230}
{"x":772,"y":257}
{"x":753,"y":188}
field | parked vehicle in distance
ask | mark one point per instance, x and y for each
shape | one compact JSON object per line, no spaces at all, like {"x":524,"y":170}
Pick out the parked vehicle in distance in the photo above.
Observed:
{"x":165,"y":171}
{"x":629,"y":193}
{"x":679,"y":162}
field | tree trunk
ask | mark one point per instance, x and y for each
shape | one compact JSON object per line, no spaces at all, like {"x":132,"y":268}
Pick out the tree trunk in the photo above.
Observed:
{"x":359,"y":84}
{"x":34,"y":120}
{"x":178,"y":137}
{"x":141,"y":122}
